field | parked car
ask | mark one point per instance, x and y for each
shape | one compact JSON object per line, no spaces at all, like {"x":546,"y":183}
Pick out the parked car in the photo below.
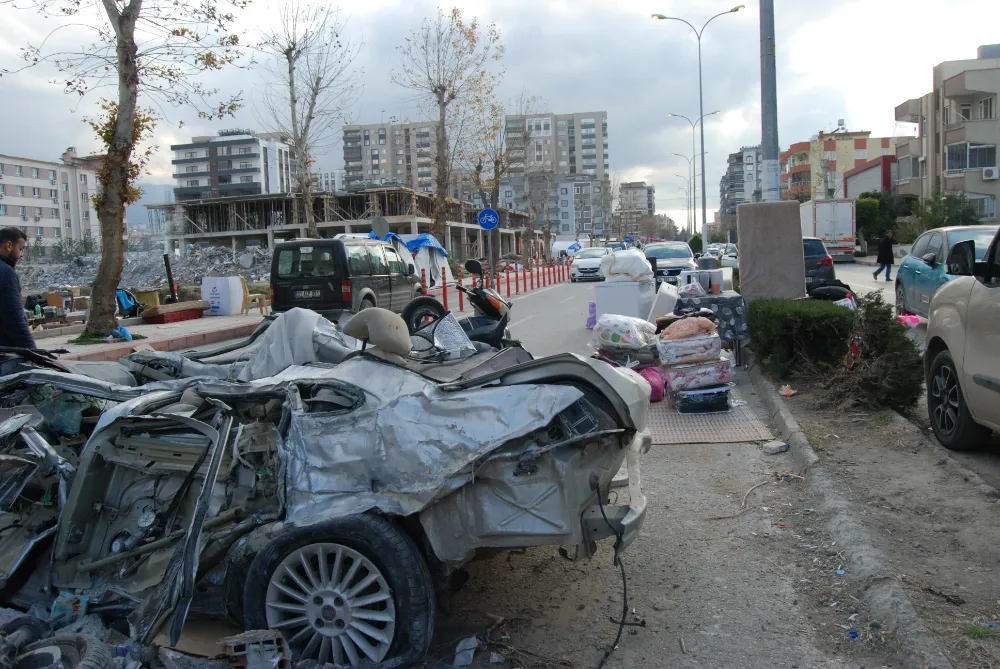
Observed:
{"x":818,"y":261}
{"x":587,"y":264}
{"x":616,"y":246}
{"x":962,"y":355}
{"x":923,"y":270}
{"x":333,"y":276}
{"x":672,"y":258}
{"x":731,"y":256}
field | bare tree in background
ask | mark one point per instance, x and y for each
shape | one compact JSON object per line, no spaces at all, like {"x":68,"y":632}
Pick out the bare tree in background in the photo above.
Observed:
{"x":613,"y":202}
{"x":491,"y":146}
{"x":312,"y":84}
{"x":150,"y":48}
{"x":446,"y":59}
{"x":539,"y":184}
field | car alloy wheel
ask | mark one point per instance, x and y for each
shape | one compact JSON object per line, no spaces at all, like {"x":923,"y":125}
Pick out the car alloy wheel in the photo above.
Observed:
{"x":333,"y":602}
{"x":945,"y":400}
{"x":901,"y":300}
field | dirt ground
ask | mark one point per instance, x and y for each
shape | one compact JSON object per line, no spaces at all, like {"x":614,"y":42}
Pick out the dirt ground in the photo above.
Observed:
{"x":941,"y":535}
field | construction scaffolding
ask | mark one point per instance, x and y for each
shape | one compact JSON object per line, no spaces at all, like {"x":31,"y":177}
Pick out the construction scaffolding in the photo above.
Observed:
{"x":264,"y":219}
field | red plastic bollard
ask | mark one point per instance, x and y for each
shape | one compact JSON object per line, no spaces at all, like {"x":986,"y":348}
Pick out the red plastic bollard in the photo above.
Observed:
{"x":507,"y":272}
{"x":423,"y":280}
{"x":461,"y":297}
{"x":531,"y":273}
{"x":524,"y":279}
{"x":444,"y":288}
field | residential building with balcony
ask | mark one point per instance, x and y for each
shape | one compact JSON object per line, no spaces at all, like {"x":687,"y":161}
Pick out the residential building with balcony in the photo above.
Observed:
{"x":236,"y":163}
{"x":814,"y":170}
{"x":564,"y":144}
{"x":391,"y":154}
{"x":741,"y":181}
{"x":958,"y":130}
{"x":50,"y":200}
{"x":331,"y":181}
{"x":579,"y":206}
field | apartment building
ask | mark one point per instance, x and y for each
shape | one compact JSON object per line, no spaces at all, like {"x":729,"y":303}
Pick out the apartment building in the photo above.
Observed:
{"x":958,"y":129}
{"x":331,"y":181}
{"x":637,"y":196}
{"x":49,"y":200}
{"x":564,"y":144}
{"x":578,"y":205}
{"x":236,"y":163}
{"x":391,"y":153}
{"x":814,"y":170}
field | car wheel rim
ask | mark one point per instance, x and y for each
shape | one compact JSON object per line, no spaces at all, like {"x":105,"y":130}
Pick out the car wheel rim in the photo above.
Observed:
{"x":333,"y":603}
{"x":900,"y":301}
{"x":946,"y":400}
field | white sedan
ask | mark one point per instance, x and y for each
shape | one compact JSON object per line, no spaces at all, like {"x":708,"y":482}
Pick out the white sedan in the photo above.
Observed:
{"x":587,"y":264}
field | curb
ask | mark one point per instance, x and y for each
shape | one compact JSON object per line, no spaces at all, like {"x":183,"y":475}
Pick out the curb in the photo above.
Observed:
{"x":884,"y":596}
{"x":950,"y":462}
{"x":113,"y":352}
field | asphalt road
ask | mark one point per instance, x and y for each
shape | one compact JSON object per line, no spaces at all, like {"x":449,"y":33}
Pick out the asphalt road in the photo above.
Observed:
{"x":713,"y":585}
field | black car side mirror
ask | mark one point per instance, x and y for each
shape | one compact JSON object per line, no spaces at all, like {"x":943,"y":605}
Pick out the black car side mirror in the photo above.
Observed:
{"x":930,"y":258}
{"x":411,"y":269}
{"x":474,"y":267}
{"x":961,"y":259}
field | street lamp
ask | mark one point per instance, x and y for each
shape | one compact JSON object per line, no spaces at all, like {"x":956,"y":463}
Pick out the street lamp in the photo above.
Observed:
{"x":692,"y":205}
{"x":701,"y":106}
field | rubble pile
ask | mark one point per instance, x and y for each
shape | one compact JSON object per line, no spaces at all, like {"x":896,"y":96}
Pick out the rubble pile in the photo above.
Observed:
{"x":145,"y":271}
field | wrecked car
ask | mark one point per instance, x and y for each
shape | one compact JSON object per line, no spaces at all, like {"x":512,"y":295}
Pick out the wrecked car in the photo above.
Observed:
{"x":332,"y":502}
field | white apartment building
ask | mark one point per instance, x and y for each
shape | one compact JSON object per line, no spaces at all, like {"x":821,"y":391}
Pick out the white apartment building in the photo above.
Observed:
{"x":234,"y":163}
{"x":49,"y":200}
{"x":391,"y":154}
{"x":565,"y":144}
{"x":578,"y":206}
{"x":331,"y":181}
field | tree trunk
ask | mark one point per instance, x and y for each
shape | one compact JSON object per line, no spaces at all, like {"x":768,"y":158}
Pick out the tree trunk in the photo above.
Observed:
{"x":113,"y":177}
{"x":300,"y":148}
{"x":442,"y":172}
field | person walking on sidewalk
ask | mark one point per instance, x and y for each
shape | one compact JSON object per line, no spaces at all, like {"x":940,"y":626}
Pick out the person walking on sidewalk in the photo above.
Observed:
{"x":13,"y":325}
{"x":885,"y":256}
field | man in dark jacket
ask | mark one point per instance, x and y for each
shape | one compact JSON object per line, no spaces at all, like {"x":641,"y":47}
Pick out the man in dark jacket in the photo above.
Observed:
{"x":885,"y":256}
{"x":13,"y":325}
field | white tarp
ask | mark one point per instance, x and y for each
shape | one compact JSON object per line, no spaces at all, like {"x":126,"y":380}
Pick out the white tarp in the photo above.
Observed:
{"x":429,"y":259}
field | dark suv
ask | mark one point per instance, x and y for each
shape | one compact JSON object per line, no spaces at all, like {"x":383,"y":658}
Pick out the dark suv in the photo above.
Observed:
{"x":819,"y":263}
{"x":331,"y":276}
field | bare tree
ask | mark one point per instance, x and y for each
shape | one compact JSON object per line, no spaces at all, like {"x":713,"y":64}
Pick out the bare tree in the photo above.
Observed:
{"x":539,"y":184}
{"x":150,"y":48}
{"x":491,"y":146}
{"x":614,"y":186}
{"x":445,"y":59}
{"x":311,"y":85}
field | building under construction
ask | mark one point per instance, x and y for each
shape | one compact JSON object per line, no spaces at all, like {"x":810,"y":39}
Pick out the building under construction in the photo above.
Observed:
{"x":260,"y":220}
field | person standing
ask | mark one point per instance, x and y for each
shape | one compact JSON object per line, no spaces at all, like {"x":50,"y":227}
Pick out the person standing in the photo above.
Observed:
{"x":885,"y":256}
{"x":14,"y":330}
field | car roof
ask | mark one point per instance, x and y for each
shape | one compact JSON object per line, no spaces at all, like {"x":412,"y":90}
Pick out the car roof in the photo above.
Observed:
{"x":957,"y":228}
{"x":656,"y":244}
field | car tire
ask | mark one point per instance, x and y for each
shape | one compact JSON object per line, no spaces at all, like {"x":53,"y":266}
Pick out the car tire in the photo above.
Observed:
{"x":949,"y":415}
{"x":419,"y":308}
{"x":572,"y":279}
{"x":399,"y":599}
{"x":366,"y":303}
{"x":901,"y":300}
{"x":77,"y":652}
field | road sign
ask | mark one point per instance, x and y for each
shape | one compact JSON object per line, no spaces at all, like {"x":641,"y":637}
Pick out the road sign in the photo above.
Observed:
{"x":488,"y":219}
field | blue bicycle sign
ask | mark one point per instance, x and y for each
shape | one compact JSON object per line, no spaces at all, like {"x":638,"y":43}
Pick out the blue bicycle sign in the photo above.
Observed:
{"x":488,"y":219}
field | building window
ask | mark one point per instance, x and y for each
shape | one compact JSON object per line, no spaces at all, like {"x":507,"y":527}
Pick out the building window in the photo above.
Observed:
{"x":191,"y":168}
{"x":860,"y":154}
{"x":986,"y":108}
{"x":244,"y":150}
{"x":23,"y":211}
{"x":192,"y":182}
{"x":86,"y":215}
{"x":36,"y":192}
{"x":83,"y":178}
{"x":35,"y":172}
{"x":563,"y":191}
{"x":246,"y":180}
{"x":65,"y":187}
{"x":982,"y":155}
{"x":190,"y":154}
{"x":58,"y":233}
{"x":53,"y":193}
{"x":54,"y":213}
{"x":20,"y":190}
{"x":885,"y":151}
{"x":66,"y":205}
{"x":38,"y":211}
{"x":244,"y":165}
{"x":18,"y":171}
{"x":829,"y":155}
{"x":3,"y":210}
{"x":564,"y":203}
{"x":52,"y":174}
{"x":68,"y":223}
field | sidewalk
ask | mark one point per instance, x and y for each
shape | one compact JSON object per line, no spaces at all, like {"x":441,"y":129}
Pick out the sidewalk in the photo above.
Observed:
{"x":168,"y":337}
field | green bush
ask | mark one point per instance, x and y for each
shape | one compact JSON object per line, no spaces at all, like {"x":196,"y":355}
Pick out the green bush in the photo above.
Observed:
{"x":805,"y":334}
{"x":886,"y":368}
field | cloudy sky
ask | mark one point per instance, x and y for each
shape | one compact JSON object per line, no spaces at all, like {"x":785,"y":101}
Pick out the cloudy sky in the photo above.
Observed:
{"x":851,"y":59}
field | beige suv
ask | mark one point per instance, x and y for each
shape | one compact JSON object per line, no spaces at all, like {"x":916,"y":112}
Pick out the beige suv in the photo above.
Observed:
{"x":962,"y":358}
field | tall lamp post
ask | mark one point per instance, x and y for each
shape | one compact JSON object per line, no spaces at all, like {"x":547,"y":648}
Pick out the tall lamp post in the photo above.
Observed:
{"x":701,"y":106}
{"x":687,"y":202}
{"x":691,"y":167}
{"x":694,"y":124}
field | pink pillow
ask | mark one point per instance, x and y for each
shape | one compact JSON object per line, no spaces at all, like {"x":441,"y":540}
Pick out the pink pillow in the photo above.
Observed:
{"x":652,"y":374}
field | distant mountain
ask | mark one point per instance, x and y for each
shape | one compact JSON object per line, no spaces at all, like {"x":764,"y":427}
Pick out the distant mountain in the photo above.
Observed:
{"x":136,"y":214}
